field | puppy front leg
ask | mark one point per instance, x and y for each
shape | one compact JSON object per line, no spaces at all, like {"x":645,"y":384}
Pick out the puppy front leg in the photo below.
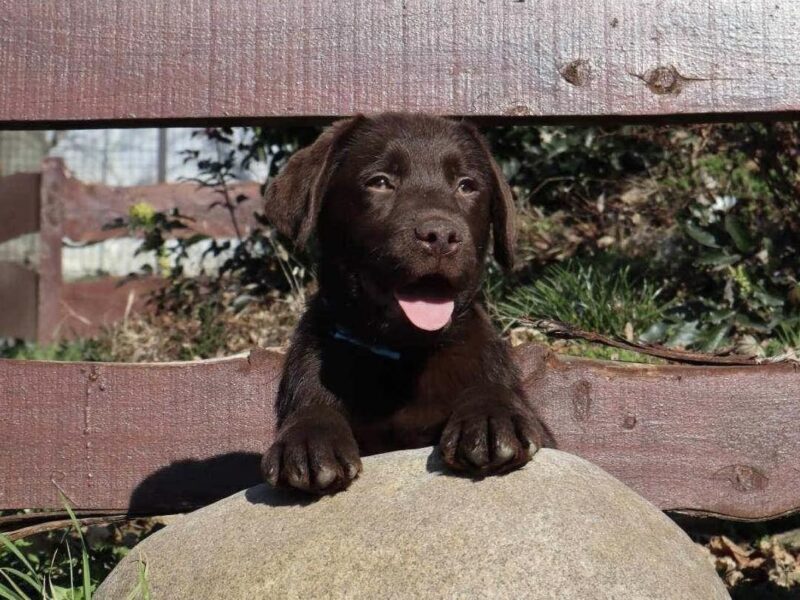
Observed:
{"x":315,"y":452}
{"x":491,"y":431}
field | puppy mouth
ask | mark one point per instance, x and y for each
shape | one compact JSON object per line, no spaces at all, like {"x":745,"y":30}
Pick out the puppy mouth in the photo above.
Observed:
{"x":428,"y":303}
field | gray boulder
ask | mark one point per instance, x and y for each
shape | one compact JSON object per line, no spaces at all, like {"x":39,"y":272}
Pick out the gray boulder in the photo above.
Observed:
{"x":560,"y":528}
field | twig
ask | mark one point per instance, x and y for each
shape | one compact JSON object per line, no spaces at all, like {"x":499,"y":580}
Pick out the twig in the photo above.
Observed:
{"x":561,"y":330}
{"x":223,"y":183}
{"x":231,"y":208}
{"x":24,"y":532}
{"x":9,"y":522}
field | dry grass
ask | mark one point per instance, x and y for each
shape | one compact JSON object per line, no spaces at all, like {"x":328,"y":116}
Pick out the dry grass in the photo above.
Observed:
{"x":152,"y":337}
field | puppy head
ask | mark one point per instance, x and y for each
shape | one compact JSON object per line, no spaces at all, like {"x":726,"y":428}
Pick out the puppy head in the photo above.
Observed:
{"x":403,"y":206}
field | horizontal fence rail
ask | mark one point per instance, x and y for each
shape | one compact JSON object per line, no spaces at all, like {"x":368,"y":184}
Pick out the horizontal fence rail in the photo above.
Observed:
{"x":88,"y":209}
{"x":37,"y":303}
{"x":171,"y":437}
{"x":68,"y":61}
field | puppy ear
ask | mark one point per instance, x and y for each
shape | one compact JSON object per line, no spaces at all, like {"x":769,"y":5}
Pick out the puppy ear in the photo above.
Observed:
{"x":504,"y":230}
{"x":504,"y":221}
{"x":294,"y":197}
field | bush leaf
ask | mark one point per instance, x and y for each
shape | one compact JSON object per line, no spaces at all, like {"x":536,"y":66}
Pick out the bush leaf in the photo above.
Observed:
{"x":738,"y":233}
{"x":700,"y":236}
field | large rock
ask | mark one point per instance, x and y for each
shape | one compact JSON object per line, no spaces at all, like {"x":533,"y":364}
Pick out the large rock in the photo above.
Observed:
{"x":560,"y":528}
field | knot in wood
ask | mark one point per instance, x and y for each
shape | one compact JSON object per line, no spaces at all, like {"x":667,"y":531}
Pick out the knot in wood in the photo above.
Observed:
{"x":581,"y":401}
{"x":744,"y":478}
{"x":577,"y":73}
{"x":518,"y":110}
{"x":663,"y":80}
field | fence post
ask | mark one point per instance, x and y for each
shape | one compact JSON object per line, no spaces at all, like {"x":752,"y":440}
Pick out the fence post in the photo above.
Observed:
{"x":19,"y":218}
{"x":50,"y":241}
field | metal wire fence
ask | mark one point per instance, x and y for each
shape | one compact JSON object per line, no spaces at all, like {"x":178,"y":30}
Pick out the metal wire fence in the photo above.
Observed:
{"x":22,"y":150}
{"x":124,"y":156}
{"x":118,"y":157}
{"x":109,"y":156}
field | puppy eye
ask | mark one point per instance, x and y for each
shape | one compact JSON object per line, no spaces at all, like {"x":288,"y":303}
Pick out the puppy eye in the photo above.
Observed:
{"x":467,"y":186}
{"x":380,"y":182}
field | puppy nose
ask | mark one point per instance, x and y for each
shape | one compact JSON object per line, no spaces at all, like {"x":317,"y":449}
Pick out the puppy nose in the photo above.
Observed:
{"x":438,"y":236}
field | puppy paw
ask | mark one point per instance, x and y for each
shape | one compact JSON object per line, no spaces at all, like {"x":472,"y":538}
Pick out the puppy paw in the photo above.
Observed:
{"x":314,"y":457}
{"x":490,"y":440}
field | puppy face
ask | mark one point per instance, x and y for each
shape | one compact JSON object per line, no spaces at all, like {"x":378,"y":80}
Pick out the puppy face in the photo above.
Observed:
{"x":403,"y":206}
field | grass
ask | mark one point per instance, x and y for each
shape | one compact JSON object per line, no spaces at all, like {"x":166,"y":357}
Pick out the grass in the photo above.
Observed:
{"x":74,"y":350}
{"x":595,"y":351}
{"x":787,"y":334}
{"x":598,"y":298}
{"x":24,"y":576}
{"x":33,"y":583}
{"x":142,"y":589}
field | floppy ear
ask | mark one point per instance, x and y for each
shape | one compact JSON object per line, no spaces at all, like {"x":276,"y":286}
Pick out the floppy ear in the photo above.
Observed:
{"x":504,"y":221}
{"x":294,"y":197}
{"x":504,"y":230}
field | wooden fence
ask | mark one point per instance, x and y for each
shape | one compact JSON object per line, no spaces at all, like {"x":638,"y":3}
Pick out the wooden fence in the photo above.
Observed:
{"x":37,"y":303}
{"x":159,"y":438}
{"x":243,"y":60}
{"x":717,"y":440}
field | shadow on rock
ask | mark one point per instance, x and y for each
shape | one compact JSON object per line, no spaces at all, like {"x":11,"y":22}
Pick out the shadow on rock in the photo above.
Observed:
{"x":435,"y":464}
{"x":270,"y":496}
{"x":764,"y":591}
{"x":188,"y":484}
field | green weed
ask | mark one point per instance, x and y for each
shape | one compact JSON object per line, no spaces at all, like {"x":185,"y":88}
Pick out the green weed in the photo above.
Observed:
{"x":607,"y":300}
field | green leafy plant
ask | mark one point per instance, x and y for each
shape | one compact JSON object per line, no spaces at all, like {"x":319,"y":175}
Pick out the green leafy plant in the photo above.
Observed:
{"x":735,"y":271}
{"x":594,"y":297}
{"x":255,"y":268}
{"x":27,"y":582}
{"x":65,"y":565}
{"x":71,"y":350}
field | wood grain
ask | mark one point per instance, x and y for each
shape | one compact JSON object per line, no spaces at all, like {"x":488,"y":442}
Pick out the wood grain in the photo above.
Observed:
{"x":51,"y":227}
{"x":65,"y":61}
{"x":19,"y":205}
{"x":89,"y":208}
{"x":164,"y":438}
{"x":87,"y":307}
{"x":18,"y":288}
{"x":113,"y":436}
{"x":44,"y":308}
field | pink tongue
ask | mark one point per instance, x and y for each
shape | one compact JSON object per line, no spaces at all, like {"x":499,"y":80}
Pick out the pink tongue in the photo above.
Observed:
{"x":429,"y":314}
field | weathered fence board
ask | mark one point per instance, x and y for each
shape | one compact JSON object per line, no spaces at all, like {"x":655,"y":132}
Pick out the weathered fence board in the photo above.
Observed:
{"x":51,"y":228}
{"x":77,"y":60}
{"x":57,"y":206}
{"x":19,"y":205}
{"x":87,"y":307}
{"x":89,"y":208}
{"x":716,"y":440}
{"x":157,"y":437}
{"x":17,"y":301}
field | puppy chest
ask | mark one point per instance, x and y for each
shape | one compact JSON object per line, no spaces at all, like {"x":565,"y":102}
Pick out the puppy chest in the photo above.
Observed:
{"x":411,"y":426}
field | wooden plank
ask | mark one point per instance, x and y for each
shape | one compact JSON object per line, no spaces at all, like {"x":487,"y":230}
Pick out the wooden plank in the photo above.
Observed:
{"x":89,"y":208}
{"x":19,"y":205}
{"x":210,"y":60}
{"x":159,"y":438}
{"x":89,"y":306}
{"x":70,"y":208}
{"x":155,"y":437}
{"x":714,"y":440}
{"x":17,"y":301}
{"x":51,"y":228}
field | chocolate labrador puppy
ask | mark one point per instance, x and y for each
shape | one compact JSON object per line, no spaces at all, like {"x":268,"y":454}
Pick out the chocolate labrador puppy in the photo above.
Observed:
{"x":395,"y":350}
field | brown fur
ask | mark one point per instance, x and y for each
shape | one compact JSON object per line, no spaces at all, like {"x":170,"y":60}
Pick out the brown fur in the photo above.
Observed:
{"x":425,"y":225}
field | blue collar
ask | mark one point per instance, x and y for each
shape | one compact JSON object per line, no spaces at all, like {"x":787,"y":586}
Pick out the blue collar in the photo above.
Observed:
{"x":339,"y":333}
